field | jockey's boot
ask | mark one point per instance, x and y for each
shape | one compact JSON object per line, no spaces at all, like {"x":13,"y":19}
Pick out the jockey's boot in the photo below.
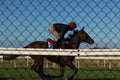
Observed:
{"x":62,"y":44}
{"x":58,"y":43}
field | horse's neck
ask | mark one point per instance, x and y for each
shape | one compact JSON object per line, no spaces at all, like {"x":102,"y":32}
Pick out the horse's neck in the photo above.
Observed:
{"x":75,"y":42}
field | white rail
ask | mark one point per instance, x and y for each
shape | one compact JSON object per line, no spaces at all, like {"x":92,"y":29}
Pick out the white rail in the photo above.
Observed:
{"x":86,"y":54}
{"x":65,"y":52}
{"x":31,"y":51}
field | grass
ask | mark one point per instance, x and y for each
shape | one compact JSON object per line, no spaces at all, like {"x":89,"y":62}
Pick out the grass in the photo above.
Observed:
{"x":89,"y":70}
{"x":83,"y":74}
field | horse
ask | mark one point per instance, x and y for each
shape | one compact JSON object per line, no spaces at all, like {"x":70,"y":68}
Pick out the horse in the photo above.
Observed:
{"x":73,"y":42}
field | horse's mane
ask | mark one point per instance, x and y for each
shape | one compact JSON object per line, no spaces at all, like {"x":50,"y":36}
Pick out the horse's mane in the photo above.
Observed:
{"x":71,"y":35}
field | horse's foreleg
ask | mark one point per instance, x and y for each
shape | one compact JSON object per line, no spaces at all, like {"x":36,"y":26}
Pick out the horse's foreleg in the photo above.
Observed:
{"x":72,"y":66}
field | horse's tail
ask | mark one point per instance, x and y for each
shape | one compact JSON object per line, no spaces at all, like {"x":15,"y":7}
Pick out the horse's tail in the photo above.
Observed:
{"x":10,"y":57}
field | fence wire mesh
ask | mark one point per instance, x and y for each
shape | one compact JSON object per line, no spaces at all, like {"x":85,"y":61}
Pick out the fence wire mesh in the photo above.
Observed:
{"x":26,"y":21}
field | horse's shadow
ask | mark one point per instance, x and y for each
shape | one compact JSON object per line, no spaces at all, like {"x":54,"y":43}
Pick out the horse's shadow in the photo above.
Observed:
{"x":65,"y":79}
{"x":98,"y":79}
{"x":7,"y":78}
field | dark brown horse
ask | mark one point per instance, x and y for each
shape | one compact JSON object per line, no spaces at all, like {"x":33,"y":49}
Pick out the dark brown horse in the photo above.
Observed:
{"x":73,"y":43}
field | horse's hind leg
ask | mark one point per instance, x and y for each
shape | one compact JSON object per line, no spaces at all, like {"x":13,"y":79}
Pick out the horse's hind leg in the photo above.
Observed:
{"x":48,"y":77}
{"x":38,"y":66}
{"x":62,"y":69}
{"x":40,"y":69}
{"x":72,"y":66}
{"x":42,"y":74}
{"x":34,"y":67}
{"x":36,"y":63}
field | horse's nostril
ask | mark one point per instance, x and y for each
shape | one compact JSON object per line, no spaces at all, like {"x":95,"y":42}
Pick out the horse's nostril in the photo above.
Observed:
{"x":92,"y":42}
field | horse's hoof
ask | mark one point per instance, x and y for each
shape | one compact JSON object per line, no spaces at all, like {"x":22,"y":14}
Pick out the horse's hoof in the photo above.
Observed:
{"x":69,"y":79}
{"x":49,"y":79}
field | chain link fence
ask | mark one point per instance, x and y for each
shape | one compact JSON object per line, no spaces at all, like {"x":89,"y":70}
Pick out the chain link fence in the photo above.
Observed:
{"x":25,"y":21}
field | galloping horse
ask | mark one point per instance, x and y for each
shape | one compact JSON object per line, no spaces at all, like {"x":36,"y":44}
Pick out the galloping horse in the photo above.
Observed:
{"x":73,"y":43}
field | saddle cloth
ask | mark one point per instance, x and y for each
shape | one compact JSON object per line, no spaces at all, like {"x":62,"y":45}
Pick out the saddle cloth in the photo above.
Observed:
{"x":51,"y":43}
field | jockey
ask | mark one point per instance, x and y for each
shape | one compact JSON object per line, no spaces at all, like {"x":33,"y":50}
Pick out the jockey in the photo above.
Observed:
{"x":58,"y":30}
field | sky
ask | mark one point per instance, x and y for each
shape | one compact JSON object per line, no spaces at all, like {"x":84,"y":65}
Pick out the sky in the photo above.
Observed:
{"x":26,"y":21}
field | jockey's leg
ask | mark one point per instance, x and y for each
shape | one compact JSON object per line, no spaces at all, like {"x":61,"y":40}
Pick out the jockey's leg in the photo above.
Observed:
{"x":53,"y":32}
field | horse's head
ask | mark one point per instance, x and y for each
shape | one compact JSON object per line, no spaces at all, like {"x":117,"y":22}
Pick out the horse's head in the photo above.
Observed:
{"x":84,"y":37}
{"x":77,"y":37}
